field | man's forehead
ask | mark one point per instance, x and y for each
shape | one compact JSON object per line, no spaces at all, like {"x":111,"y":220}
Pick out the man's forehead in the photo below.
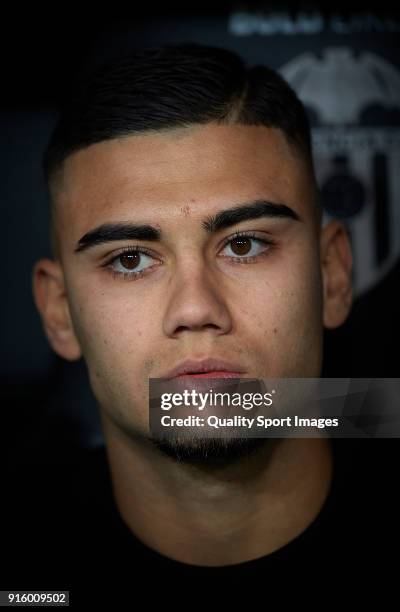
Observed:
{"x":186,"y":170}
{"x":206,"y":148}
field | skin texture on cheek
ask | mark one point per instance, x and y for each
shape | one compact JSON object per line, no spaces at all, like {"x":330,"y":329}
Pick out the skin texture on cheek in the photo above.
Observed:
{"x":290,"y":328}
{"x":113,"y":348}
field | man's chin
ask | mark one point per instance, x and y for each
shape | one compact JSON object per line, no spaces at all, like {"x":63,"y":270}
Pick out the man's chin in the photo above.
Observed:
{"x":209,"y":451}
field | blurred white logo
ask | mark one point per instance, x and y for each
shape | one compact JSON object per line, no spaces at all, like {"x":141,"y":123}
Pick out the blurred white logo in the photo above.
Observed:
{"x":354,"y":104}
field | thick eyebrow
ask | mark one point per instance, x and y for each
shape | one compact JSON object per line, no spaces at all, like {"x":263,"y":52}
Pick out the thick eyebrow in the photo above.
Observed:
{"x":243,"y":212}
{"x":109,"y":232}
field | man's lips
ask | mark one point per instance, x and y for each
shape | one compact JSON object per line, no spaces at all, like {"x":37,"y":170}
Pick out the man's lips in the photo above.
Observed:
{"x":205,"y":368}
{"x":212,"y":374}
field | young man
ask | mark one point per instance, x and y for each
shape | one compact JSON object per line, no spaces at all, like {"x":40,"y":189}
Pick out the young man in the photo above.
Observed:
{"x":187,"y":236}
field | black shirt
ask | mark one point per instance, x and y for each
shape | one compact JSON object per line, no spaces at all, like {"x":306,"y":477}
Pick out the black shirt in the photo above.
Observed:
{"x":61,"y":529}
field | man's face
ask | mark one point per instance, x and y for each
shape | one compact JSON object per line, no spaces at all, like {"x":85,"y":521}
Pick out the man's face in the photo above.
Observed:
{"x":195,"y":293}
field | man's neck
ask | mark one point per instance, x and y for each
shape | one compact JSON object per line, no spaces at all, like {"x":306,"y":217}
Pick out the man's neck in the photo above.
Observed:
{"x":219,"y":516}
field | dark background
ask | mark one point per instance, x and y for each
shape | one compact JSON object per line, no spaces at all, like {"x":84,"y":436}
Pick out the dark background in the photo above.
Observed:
{"x":46,"y":401}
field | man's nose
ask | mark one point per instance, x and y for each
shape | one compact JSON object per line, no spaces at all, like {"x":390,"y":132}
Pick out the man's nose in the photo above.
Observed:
{"x":196,"y":302}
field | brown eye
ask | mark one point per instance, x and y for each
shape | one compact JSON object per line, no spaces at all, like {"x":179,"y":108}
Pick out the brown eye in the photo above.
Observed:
{"x":246,"y":247}
{"x":130,"y":260}
{"x":131,"y":264}
{"x":241,"y":245}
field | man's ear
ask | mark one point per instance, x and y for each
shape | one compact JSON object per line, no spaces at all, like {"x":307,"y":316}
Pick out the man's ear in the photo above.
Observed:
{"x":336,"y":267}
{"x":51,"y":301}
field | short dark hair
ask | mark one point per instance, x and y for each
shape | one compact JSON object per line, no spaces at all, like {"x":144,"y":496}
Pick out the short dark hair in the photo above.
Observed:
{"x":171,"y":86}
